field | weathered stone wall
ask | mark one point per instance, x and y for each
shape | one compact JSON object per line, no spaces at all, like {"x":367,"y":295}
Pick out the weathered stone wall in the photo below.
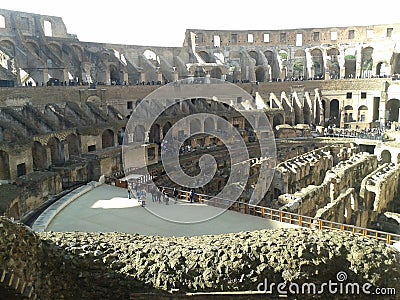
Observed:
{"x":309,"y":168}
{"x":341,"y":209}
{"x":28,"y":193}
{"x":341,"y":177}
{"x":381,"y":187}
{"x":115,"y":265}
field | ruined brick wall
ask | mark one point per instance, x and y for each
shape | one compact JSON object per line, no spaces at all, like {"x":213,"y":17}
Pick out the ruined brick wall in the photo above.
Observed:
{"x":309,"y":168}
{"x":338,"y":180}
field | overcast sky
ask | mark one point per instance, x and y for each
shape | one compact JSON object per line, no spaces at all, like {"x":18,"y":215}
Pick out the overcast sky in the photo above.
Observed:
{"x":163,"y":22}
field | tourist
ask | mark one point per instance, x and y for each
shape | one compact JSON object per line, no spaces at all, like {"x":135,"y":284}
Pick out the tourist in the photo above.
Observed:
{"x":159,"y":195}
{"x":175,"y":195}
{"x":129,"y":193}
{"x":154,"y":194}
{"x":165,"y":196}
{"x":191,"y":195}
{"x":166,"y":199}
{"x":137,"y":189}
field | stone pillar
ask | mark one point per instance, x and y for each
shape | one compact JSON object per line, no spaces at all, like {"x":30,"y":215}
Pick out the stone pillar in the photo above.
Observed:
{"x":176,"y":75}
{"x":358,"y":61}
{"x":48,"y":157}
{"x":65,"y":75}
{"x":125,"y":76}
{"x":308,"y":62}
{"x":142,"y":77}
{"x":159,"y":75}
{"x":66,"y":152}
{"x":108,"y":79}
{"x":86,"y":66}
{"x":325,"y":61}
{"x":45,"y":76}
{"x":382,"y":108}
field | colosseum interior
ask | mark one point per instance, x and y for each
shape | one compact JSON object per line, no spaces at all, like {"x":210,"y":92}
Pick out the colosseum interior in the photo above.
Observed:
{"x":331,"y":96}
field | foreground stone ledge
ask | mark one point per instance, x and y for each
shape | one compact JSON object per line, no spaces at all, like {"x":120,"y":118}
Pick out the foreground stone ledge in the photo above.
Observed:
{"x":78,"y":265}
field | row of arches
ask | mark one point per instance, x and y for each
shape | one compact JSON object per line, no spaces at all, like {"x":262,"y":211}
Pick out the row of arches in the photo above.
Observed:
{"x":314,"y":63}
{"x":208,"y":125}
{"x":392,"y":109}
{"x":56,"y":151}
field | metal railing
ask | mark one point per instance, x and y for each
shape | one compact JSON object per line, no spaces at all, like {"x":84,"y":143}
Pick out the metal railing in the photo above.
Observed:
{"x":289,"y":217}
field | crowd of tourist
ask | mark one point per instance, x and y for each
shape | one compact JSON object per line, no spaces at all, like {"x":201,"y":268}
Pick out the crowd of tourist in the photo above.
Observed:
{"x":79,"y":82}
{"x":377,"y":133}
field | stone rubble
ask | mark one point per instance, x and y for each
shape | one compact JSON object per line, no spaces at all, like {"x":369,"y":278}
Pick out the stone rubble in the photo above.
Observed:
{"x":81,"y":265}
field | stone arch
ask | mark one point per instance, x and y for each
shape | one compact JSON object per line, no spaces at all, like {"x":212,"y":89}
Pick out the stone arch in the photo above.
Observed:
{"x":386,"y":156}
{"x":33,"y":47}
{"x":317,"y":59}
{"x":378,"y":69}
{"x":2,"y":22}
{"x":333,"y":67}
{"x":283,"y":59}
{"x":205,"y":56}
{"x":366,"y":62}
{"x":216,"y":73}
{"x":140,"y":134}
{"x":39,"y":156}
{"x":154,"y":135}
{"x":56,"y":152}
{"x":348,"y":113}
{"x":167,"y":126}
{"x":392,"y":110}
{"x":56,"y":49}
{"x":107,"y":139}
{"x":277,"y":120}
{"x":195,"y":126}
{"x":260,"y":74}
{"x":115,"y":75}
{"x":253,"y":54}
{"x":8,"y":46}
{"x":362,"y":113}
{"x":350,"y":63}
{"x":334,"y":109}
{"x":299,"y":70}
{"x":4,"y":165}
{"x":73,"y":144}
{"x":47,"y":28}
{"x":273,"y":62}
{"x":209,"y":125}
{"x":283,"y":55}
{"x":151,"y":55}
{"x":78,"y":51}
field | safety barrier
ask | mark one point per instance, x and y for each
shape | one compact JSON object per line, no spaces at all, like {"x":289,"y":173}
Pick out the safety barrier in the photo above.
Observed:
{"x":288,"y":217}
